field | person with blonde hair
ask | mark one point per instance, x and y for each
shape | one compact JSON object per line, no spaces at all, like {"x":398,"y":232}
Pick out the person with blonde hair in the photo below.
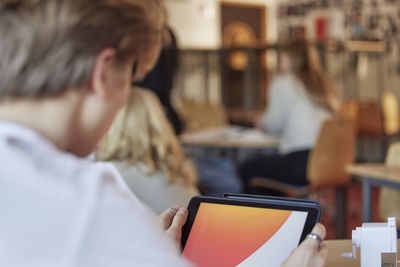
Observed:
{"x":143,"y":146}
{"x":300,"y":98}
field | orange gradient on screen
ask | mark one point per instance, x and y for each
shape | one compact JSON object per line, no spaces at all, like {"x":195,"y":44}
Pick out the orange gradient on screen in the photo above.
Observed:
{"x":225,"y":235}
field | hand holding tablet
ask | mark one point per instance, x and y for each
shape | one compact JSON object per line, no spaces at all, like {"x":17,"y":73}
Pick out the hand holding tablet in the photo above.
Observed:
{"x":172,"y":221}
{"x":242,"y":230}
{"x":310,"y":253}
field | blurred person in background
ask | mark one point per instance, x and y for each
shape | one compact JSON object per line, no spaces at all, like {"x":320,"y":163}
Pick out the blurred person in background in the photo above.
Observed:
{"x":144,"y":148}
{"x":161,"y":78}
{"x":300,"y":98}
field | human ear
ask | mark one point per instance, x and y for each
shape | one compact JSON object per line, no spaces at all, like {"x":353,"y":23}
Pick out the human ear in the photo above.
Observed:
{"x":102,"y":70}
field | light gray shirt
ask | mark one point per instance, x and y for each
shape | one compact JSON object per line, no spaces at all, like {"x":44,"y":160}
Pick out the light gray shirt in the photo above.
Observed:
{"x":154,"y":190}
{"x":61,"y":211}
{"x":292,"y":115}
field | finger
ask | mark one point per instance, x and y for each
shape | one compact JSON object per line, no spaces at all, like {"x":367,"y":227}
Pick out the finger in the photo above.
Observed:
{"x":324,"y":252}
{"x":322,"y":256}
{"x":179,"y":220}
{"x":320,"y":230}
{"x":167,"y":217}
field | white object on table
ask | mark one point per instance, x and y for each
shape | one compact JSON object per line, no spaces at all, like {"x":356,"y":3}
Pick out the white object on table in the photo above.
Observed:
{"x":377,"y":243}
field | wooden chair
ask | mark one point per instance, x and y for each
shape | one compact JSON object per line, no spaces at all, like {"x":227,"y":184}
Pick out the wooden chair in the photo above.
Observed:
{"x":389,"y":199}
{"x":333,"y":150}
{"x":369,"y":119}
{"x":390,"y":110}
{"x":369,"y":124}
{"x":349,"y":110}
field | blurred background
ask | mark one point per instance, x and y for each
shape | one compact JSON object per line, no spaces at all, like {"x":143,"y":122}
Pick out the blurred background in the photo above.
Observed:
{"x":222,"y":56}
{"x":228,"y":51}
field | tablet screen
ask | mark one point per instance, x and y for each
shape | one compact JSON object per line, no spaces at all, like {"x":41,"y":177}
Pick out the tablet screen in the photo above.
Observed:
{"x":229,"y":235}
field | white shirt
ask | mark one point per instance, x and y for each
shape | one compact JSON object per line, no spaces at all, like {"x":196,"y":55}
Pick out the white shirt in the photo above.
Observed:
{"x":292,"y":115}
{"x":154,"y":189}
{"x":60,"y":210}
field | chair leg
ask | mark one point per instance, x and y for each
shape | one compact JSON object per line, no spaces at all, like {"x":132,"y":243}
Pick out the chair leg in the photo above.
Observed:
{"x":341,"y":212}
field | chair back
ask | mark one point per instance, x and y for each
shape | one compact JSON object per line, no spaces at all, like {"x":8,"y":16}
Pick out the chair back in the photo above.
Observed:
{"x":369,"y":119}
{"x":389,"y":199}
{"x":334,"y":149}
{"x":390,"y":110}
{"x":201,"y":115}
{"x":349,"y":110}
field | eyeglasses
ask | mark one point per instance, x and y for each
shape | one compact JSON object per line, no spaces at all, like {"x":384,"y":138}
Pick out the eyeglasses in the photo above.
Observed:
{"x":134,"y":70}
{"x":166,"y":37}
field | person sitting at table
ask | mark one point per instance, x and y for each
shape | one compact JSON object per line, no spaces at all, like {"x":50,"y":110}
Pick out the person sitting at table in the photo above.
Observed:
{"x":301,"y":97}
{"x":144,"y":148}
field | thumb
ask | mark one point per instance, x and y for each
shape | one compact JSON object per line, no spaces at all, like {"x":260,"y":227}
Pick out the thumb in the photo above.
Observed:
{"x":179,"y":220}
{"x":167,"y":216}
{"x":175,"y":230}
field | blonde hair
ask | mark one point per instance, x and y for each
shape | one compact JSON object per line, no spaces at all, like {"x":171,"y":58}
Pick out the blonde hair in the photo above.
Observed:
{"x":49,"y":46}
{"x":141,"y":133}
{"x":306,"y":65}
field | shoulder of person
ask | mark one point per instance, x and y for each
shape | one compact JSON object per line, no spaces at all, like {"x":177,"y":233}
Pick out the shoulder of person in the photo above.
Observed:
{"x":286,"y":80}
{"x":285,"y":85}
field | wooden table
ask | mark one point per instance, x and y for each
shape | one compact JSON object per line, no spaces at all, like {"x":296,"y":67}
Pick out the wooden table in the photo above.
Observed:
{"x":230,"y":137}
{"x":374,"y":174}
{"x":335,"y":250}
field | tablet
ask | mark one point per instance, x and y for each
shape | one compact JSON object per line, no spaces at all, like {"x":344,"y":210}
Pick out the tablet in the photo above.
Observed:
{"x":245,"y":230}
